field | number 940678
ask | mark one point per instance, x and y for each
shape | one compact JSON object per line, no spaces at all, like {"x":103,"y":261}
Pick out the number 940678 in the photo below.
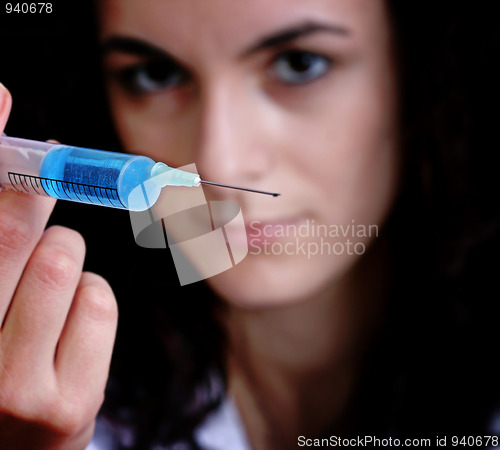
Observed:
{"x":28,"y":8}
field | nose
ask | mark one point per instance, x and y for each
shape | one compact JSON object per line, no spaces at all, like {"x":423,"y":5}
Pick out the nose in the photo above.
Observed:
{"x":234,"y":145}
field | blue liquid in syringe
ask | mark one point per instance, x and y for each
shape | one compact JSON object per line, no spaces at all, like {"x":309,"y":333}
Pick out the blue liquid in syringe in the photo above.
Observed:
{"x":98,"y":177}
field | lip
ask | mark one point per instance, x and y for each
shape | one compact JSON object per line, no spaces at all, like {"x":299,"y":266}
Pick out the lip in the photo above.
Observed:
{"x":260,"y":232}
{"x":257,"y":232}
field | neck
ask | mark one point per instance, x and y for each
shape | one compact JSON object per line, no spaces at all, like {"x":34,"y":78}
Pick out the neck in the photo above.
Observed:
{"x":293,"y":369}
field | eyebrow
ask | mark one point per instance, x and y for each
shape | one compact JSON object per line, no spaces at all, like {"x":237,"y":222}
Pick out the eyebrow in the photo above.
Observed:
{"x":130,"y":46}
{"x":133,"y":46}
{"x":291,"y":33}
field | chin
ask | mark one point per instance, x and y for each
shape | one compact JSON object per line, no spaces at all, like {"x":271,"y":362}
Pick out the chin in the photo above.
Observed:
{"x":261,"y":282}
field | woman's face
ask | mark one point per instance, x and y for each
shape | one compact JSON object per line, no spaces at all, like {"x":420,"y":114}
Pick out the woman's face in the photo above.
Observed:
{"x":290,"y":96}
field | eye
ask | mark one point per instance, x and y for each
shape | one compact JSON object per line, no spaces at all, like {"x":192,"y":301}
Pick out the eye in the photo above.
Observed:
{"x":299,"y":67}
{"x":151,"y":76}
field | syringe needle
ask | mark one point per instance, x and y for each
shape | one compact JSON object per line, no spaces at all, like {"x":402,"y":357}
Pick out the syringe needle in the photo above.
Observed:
{"x":274,"y":194}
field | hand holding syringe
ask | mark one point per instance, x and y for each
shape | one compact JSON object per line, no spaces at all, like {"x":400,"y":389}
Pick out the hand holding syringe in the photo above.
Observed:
{"x":58,"y":327}
{"x":89,"y":176}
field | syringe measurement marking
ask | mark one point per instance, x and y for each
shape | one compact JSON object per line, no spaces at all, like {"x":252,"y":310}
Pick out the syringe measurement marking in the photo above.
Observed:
{"x":67,"y":194}
{"x":19,"y":182}
{"x":64,"y":190}
{"x":37,"y":185}
{"x":22,"y":179}
{"x":99,"y":197}
{"x":78,"y":195}
{"x":31,"y":182}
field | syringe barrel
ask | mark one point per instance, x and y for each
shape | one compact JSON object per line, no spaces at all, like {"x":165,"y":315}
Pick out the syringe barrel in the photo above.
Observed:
{"x":74,"y":173}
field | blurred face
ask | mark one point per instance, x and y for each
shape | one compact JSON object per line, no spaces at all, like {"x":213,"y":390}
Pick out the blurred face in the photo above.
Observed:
{"x":290,"y":96}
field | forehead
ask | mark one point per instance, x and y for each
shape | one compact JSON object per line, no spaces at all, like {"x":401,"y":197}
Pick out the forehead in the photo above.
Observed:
{"x":224,"y":24}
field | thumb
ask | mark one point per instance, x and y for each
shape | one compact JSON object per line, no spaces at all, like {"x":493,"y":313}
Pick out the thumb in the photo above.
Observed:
{"x":5,"y":105}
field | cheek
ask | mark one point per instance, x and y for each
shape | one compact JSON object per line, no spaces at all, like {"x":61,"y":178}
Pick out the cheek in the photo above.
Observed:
{"x":352,"y":149}
{"x":153,"y":127}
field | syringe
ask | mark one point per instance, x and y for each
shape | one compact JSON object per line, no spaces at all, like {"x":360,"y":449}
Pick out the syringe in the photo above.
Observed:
{"x":89,"y":176}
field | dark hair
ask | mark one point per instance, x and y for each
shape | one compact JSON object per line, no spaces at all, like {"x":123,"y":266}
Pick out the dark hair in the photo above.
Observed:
{"x":434,"y":368}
